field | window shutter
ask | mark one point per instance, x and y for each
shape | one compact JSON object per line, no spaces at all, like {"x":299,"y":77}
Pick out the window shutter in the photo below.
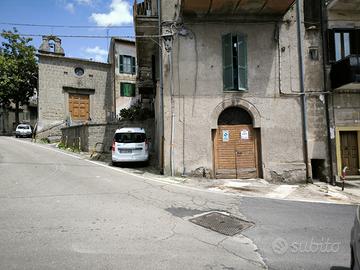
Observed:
{"x":228,"y":68}
{"x":242,"y":62}
{"x":121,"y":64}
{"x":355,"y":41}
{"x":127,"y":89}
{"x":312,"y":12}
{"x":132,"y":90}
{"x":121,"y":89}
{"x":133,"y":65}
{"x":331,"y":45}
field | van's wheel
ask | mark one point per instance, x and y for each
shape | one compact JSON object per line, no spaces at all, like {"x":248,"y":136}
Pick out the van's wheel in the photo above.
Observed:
{"x":16,"y":136}
{"x":113,"y":163}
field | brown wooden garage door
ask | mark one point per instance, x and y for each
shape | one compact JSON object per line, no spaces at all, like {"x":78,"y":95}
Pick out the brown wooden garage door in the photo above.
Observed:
{"x":79,"y":106}
{"x":235,"y":151}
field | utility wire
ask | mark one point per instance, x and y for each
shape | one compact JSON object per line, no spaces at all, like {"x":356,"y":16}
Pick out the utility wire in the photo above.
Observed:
{"x":71,"y":26}
{"x":63,"y":26}
{"x":84,"y":36}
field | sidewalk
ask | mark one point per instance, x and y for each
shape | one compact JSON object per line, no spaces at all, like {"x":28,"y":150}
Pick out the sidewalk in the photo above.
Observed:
{"x":317,"y":192}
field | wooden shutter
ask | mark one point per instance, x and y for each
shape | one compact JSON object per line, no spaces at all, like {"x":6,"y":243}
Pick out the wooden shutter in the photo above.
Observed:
{"x":242,"y":62}
{"x":133,"y":65}
{"x":312,"y":12}
{"x":331,"y":45}
{"x":122,"y":89}
{"x":228,"y":68}
{"x":127,"y":89}
{"x":353,"y":41}
{"x":121,"y":64}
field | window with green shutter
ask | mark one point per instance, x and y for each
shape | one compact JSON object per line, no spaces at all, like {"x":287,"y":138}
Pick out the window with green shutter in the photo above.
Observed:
{"x":127,"y":64}
{"x":127,"y":89}
{"x":234,"y":62}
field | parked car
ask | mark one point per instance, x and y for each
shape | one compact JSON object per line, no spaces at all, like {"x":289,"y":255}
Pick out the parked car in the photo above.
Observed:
{"x":23,"y":130}
{"x":355,"y":242}
{"x":130,"y":145}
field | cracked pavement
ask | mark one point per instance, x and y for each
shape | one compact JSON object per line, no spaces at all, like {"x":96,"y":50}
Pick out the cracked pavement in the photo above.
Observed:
{"x":59,"y":211}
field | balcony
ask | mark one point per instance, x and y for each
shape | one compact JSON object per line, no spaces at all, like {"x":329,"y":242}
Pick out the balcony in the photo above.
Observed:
{"x":229,"y":8}
{"x":145,"y":8}
{"x":146,"y":30}
{"x":345,"y":73}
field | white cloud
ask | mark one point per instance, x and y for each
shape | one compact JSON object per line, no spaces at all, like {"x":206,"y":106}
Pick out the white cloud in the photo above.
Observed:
{"x":120,"y":13}
{"x":97,"y":54}
{"x":70,"y":7}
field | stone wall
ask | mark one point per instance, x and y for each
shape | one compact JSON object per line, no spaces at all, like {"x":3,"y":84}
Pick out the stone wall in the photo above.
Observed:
{"x":57,"y":79}
{"x":99,"y":137}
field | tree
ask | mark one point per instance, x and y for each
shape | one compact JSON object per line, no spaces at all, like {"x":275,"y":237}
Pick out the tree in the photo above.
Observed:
{"x":18,"y":70}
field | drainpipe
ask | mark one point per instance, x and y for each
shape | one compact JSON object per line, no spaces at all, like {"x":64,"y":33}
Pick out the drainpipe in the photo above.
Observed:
{"x":170,"y":58}
{"x":302,"y":86}
{"x":114,"y":79}
{"x":324,"y":52}
{"x":161,"y":86}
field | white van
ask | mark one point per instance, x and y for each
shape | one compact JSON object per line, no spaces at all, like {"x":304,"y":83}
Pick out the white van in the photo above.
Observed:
{"x":130,"y":145}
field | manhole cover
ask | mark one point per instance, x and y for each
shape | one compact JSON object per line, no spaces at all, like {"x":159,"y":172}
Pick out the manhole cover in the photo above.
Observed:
{"x":222,"y":223}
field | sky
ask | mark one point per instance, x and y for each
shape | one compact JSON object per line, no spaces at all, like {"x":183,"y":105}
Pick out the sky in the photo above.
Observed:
{"x":98,"y":14}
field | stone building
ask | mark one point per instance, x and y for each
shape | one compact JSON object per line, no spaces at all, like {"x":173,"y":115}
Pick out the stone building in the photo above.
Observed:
{"x":71,"y":90}
{"x":229,"y":98}
{"x":343,"y":82}
{"x":122,"y":57}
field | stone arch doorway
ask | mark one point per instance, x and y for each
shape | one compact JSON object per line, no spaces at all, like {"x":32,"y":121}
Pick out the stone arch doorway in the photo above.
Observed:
{"x":236,"y":145}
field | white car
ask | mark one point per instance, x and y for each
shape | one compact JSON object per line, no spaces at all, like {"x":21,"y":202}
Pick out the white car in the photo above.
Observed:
{"x":23,"y":130}
{"x":355,"y":242}
{"x":130,"y":145}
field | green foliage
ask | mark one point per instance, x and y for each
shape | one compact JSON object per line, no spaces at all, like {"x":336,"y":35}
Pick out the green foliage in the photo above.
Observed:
{"x":136,"y":112}
{"x":18,"y":69}
{"x":61,"y":145}
{"x":44,"y":140}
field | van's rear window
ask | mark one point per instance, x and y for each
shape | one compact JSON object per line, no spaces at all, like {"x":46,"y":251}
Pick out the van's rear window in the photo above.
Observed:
{"x":130,"y":137}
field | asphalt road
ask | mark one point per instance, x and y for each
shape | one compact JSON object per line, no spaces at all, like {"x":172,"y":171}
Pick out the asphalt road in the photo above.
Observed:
{"x":300,"y":235}
{"x":62,"y":212}
{"x":58,"y":211}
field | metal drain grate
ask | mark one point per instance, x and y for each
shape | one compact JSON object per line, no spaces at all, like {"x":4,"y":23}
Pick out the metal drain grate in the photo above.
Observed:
{"x":222,"y":223}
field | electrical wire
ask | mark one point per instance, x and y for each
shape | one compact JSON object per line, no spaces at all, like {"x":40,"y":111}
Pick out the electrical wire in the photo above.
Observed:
{"x":72,"y":26}
{"x":92,"y":36}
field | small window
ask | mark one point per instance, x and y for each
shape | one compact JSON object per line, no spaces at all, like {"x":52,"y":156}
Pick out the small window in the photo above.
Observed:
{"x":127,"y":89}
{"x":235,"y":62}
{"x":127,"y":64}
{"x":79,"y":71}
{"x":342,"y":43}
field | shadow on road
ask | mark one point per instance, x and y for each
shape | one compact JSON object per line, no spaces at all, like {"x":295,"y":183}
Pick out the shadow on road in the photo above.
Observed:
{"x":339,"y":268}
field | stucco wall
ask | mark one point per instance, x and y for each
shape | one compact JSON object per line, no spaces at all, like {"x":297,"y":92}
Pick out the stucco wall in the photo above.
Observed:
{"x":123,"y":48}
{"x":273,"y":88}
{"x":56,"y":77}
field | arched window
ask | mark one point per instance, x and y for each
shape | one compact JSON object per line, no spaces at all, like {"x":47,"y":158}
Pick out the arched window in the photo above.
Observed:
{"x":235,"y":116}
{"x":52,"y":45}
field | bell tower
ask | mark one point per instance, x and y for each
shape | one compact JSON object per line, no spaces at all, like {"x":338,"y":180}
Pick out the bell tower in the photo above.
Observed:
{"x":51,"y":45}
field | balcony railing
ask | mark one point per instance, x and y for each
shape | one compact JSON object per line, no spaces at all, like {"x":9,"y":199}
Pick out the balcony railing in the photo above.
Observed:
{"x":145,"y":8}
{"x":346,"y":71}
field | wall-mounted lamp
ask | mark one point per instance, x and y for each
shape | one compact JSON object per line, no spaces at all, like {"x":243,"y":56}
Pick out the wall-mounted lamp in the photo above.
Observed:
{"x":167,"y":37}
